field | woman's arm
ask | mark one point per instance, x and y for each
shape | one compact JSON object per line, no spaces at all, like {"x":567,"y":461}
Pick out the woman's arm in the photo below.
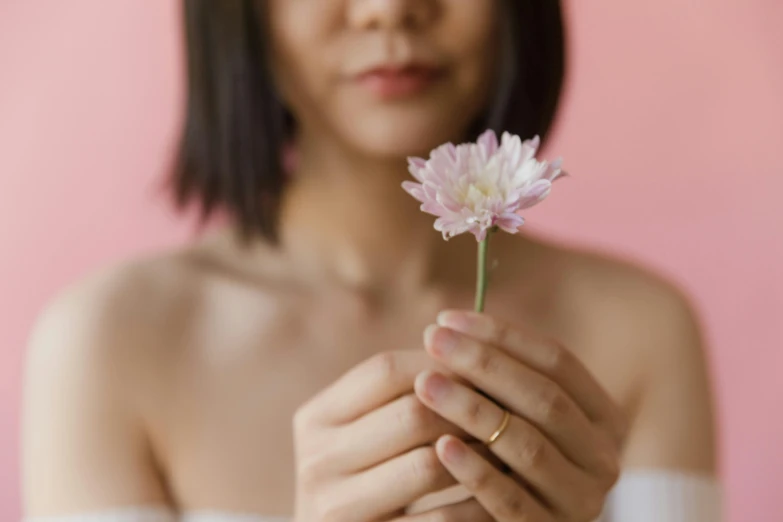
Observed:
{"x":673,"y":426}
{"x":84,"y":449}
{"x":670,"y":453}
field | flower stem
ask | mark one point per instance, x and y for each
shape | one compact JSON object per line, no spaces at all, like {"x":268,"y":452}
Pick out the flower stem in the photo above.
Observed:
{"x":481,"y":276}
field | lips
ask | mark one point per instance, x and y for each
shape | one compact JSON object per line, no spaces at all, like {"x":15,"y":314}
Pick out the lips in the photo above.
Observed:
{"x":399,"y":82}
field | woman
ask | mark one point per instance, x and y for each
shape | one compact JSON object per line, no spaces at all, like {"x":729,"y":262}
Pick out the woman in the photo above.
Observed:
{"x":166,"y":387}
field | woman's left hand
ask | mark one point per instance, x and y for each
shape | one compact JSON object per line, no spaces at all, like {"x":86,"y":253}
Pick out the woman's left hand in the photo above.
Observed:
{"x":562,"y":435}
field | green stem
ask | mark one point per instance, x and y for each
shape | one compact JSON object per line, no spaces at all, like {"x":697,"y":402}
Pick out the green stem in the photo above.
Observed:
{"x":481,"y":276}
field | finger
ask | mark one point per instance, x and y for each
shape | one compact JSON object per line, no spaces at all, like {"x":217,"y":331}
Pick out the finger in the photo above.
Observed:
{"x":499,"y":494}
{"x":393,"y":429}
{"x":482,"y":449}
{"x":527,"y":393}
{"x":466,"y":511}
{"x":545,"y":356}
{"x":367,"y":386}
{"x":393,"y":485}
{"x":521,"y":446}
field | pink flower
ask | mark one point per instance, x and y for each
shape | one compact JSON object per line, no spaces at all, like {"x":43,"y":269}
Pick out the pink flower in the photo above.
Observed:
{"x":477,"y":186}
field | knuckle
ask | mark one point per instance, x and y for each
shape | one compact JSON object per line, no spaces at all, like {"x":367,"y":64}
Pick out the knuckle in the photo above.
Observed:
{"x":503,"y":333}
{"x":484,"y":360}
{"x":554,"y":404}
{"x":479,"y":481}
{"x":510,"y":338}
{"x":425,"y":467}
{"x":330,"y":511}
{"x":533,"y":452}
{"x":615,"y":430}
{"x":413,"y":417}
{"x":515,"y":340}
{"x":557,"y":358}
{"x":609,"y":472}
{"x":622,"y":428}
{"x":309,"y":473}
{"x":609,"y":479}
{"x":475,"y":411}
{"x":512,"y":506}
{"x":613,"y":471}
{"x":302,"y":419}
{"x":384,"y":365}
{"x":592,"y":507}
{"x":442,"y":515}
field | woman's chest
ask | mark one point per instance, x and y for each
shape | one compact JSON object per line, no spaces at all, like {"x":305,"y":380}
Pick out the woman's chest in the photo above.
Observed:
{"x":222,"y":411}
{"x":222,"y":421}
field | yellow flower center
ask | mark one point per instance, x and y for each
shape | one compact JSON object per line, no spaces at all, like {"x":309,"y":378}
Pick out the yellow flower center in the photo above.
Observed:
{"x":478,"y":192}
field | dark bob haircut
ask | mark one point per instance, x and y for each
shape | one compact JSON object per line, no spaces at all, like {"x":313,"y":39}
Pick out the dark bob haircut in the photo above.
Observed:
{"x":230,"y":155}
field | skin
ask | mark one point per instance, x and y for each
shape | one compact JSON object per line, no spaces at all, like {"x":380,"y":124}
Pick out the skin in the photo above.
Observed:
{"x":174,"y":379}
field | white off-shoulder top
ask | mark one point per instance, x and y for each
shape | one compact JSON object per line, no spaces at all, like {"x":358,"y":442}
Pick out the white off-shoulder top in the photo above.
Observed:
{"x":639,"y":496}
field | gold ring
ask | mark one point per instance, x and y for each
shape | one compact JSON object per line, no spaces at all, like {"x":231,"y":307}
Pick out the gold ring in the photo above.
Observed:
{"x":503,"y":425}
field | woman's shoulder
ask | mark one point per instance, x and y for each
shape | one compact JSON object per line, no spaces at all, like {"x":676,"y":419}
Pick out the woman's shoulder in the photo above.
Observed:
{"x":600,"y":291}
{"x":117,"y":298}
{"x":625,"y":296}
{"x":643,"y":338}
{"x":141,"y":308}
{"x":114,"y":317}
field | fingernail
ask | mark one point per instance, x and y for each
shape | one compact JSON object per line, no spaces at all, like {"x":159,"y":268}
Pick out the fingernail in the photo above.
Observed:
{"x":465,"y":322}
{"x":451,"y":318}
{"x":429,"y":334}
{"x":444,"y":341}
{"x":441,"y":340}
{"x":436,"y":387}
{"x":453,"y":450}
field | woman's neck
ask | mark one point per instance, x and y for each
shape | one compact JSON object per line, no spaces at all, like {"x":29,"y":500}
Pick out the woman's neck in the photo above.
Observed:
{"x":345,"y":218}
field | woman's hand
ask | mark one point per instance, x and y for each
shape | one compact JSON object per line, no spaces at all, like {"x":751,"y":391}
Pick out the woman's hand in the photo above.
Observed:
{"x":562,"y":437}
{"x":364,"y":446}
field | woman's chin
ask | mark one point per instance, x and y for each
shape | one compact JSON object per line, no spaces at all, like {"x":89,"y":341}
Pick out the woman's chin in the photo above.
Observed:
{"x":395,"y":140}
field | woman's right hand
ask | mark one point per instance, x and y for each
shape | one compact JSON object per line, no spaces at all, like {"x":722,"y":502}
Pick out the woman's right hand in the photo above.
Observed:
{"x":364,"y":447}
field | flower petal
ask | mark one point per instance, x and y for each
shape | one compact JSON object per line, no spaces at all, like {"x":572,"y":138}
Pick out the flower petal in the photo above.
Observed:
{"x":445,"y":199}
{"x":536,"y":193}
{"x":480,"y":234}
{"x":529,"y":172}
{"x":434,"y":208}
{"x":450,"y":227}
{"x":415,"y":189}
{"x":554,"y":170}
{"x":488,"y":143}
{"x":416,"y":166}
{"x":510,"y":222}
{"x":529,"y":149}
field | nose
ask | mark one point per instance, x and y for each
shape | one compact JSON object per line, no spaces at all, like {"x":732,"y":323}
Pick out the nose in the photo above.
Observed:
{"x":390,"y":14}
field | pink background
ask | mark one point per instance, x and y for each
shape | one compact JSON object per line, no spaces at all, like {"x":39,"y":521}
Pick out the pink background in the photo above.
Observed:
{"x":673,"y":125}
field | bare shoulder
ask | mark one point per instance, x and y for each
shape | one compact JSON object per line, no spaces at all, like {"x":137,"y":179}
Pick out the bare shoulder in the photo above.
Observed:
{"x":603,"y":305}
{"x":84,"y":445}
{"x":129,"y":310}
{"x":100,"y":357}
{"x":132,"y":317}
{"x":645,"y":335}
{"x":114,"y":308}
{"x":629,"y":302}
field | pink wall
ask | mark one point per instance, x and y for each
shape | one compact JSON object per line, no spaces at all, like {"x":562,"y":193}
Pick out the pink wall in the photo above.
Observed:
{"x":675,"y":106}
